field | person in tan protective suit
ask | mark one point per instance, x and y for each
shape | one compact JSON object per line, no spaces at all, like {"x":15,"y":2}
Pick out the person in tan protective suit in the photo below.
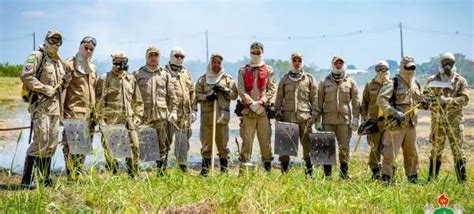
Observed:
{"x":121,"y":103}
{"x":184,"y":89}
{"x":447,"y":117}
{"x":215,"y":86}
{"x":396,"y":98}
{"x":43,"y":74}
{"x":159,"y":99}
{"x":296,"y":102}
{"x":79,"y":102}
{"x":369,"y":111}
{"x":338,"y":111}
{"x":256,"y":86}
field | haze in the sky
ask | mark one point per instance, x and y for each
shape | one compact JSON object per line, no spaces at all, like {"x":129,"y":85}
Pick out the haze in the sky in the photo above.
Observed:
{"x":429,"y":28}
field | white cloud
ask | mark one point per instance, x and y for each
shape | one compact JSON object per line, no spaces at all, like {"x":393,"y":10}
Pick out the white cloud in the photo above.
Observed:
{"x":33,"y":13}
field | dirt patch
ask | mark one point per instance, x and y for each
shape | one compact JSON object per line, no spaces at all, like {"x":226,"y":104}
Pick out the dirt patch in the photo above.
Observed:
{"x":205,"y":206}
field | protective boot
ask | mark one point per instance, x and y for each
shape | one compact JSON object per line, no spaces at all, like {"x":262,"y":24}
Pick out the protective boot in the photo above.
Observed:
{"x":309,"y":169}
{"x":69,"y":164}
{"x":267,"y":166}
{"x":44,"y":171}
{"x":461,"y":170}
{"x":160,"y":168}
{"x":436,"y":166}
{"x":74,"y":165}
{"x":183,"y":168}
{"x":327,"y":170}
{"x":413,"y":179}
{"x":111,"y":164}
{"x":386,"y":178}
{"x":132,"y":168}
{"x":344,"y":171}
{"x":224,"y":164}
{"x":284,"y":166}
{"x":206,"y":163}
{"x":28,"y":171}
{"x":376,"y":173}
{"x":79,"y":161}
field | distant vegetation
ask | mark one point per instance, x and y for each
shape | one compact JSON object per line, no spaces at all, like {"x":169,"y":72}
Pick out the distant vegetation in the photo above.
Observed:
{"x":8,"y":70}
{"x":464,"y":65}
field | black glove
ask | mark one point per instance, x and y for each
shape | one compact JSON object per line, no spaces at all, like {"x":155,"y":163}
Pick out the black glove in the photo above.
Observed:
{"x":211,"y":96}
{"x":238,"y":108}
{"x":426,"y":102}
{"x":278,"y":116}
{"x":271,"y":112}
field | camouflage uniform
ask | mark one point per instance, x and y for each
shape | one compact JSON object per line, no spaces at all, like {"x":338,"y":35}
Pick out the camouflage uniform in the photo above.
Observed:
{"x":159,"y":98}
{"x":370,"y":111}
{"x":121,"y":103}
{"x":447,"y":122}
{"x":42,"y":72}
{"x":395,"y":100}
{"x":184,"y":89}
{"x":296,"y":102}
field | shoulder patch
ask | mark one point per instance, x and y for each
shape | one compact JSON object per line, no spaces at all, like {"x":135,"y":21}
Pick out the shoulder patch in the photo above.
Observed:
{"x":31,"y":59}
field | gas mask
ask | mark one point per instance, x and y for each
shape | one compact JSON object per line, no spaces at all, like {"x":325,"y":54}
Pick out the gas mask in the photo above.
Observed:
{"x":448,"y":67}
{"x":121,"y":66}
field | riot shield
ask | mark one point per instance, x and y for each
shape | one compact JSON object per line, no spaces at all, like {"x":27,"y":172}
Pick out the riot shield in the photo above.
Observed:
{"x":78,"y":136}
{"x":117,"y":141}
{"x":322,"y":147}
{"x":149,"y":145}
{"x":181,"y":145}
{"x":286,"y":138}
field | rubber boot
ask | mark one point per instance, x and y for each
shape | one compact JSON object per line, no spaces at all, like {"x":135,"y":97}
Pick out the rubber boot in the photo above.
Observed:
{"x":206,"y":163}
{"x":327,"y":170}
{"x":413,"y":179}
{"x":461,"y":170}
{"x":44,"y":171}
{"x":69,"y":164}
{"x":132,"y":168}
{"x":344,"y":171}
{"x":284,"y":166}
{"x":79,"y":163}
{"x":436,"y":168}
{"x":386,"y":178}
{"x":28,"y":171}
{"x":309,"y":169}
{"x":267,"y":166}
{"x":224,"y":164}
{"x":376,"y":173}
{"x":183,"y":168}
{"x":160,"y":168}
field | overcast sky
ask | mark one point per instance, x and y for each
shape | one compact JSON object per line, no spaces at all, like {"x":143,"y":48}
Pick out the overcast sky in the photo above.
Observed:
{"x":430,"y":28}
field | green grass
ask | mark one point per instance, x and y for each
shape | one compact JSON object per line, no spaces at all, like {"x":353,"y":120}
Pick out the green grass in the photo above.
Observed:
{"x":229,"y":193}
{"x":10,"y":89}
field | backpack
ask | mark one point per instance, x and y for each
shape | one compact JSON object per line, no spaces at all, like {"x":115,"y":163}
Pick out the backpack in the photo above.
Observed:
{"x":395,"y":86}
{"x":28,"y":95}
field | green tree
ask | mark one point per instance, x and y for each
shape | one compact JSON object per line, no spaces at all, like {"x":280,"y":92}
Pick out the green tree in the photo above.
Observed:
{"x":8,"y":70}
